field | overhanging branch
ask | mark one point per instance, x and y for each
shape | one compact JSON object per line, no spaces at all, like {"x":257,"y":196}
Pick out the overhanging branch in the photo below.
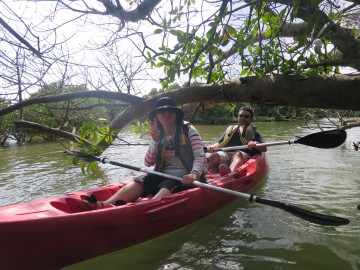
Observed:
{"x":65,"y":97}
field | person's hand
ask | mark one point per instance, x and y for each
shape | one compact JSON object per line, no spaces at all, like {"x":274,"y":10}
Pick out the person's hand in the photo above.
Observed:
{"x":251,"y":144}
{"x":211,"y":148}
{"x":188,"y":179}
{"x":154,"y":131}
{"x":259,"y":147}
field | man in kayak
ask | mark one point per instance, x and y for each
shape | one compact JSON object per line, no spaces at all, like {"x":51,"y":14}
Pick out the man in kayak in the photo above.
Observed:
{"x":241,"y":134}
{"x":175,"y":148}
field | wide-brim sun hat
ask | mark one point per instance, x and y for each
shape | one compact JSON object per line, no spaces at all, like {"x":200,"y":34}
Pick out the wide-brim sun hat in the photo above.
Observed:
{"x":166,"y":104}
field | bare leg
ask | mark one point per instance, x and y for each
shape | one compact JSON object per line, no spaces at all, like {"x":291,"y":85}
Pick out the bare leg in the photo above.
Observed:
{"x":239,"y":159}
{"x":130,"y":192}
{"x":162,"y":192}
{"x":214,"y":160}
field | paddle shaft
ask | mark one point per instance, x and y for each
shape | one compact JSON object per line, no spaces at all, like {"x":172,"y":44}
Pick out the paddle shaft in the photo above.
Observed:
{"x":242,"y":147}
{"x":195,"y":183}
{"x":324,"y":140}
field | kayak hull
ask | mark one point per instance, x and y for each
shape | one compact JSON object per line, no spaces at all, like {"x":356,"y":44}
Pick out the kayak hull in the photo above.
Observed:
{"x":54,"y":232}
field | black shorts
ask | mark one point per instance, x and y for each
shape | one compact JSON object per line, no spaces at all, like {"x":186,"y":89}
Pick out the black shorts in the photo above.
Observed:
{"x":153,"y":183}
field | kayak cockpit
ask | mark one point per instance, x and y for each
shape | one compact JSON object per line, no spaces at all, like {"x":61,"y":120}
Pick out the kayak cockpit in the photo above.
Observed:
{"x":70,"y":202}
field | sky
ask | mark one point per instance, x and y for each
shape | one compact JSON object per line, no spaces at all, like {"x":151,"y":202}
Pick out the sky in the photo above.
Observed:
{"x":83,"y":35}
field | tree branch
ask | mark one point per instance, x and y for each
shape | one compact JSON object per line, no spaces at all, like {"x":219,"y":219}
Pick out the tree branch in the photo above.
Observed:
{"x":86,"y":94}
{"x":46,"y":129}
{"x":17,"y":36}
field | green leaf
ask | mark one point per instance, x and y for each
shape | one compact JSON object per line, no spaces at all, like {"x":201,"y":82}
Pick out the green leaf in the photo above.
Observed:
{"x":95,"y":137}
{"x":109,"y":139}
{"x":165,"y":61}
{"x":268,"y":33}
{"x":159,"y":64}
{"x":224,"y":37}
{"x":211,"y":32}
{"x":75,"y":161}
{"x":258,"y":72}
{"x":158,"y":31}
{"x":171,"y":73}
{"x":93,"y":166}
{"x":83,"y":168}
{"x":214,"y":51}
{"x":244,"y":71}
{"x":231,"y":30}
{"x":177,"y":33}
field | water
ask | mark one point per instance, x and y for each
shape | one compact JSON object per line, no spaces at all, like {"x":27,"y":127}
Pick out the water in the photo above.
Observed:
{"x":241,"y":235}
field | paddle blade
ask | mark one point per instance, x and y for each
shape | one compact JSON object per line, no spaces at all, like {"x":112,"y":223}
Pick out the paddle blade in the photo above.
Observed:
{"x":316,"y":217}
{"x":312,"y":217}
{"x":325,"y":139}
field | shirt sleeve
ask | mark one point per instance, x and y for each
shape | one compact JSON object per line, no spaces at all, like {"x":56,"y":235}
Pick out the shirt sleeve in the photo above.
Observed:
{"x":197,"y":146}
{"x":150,"y":157}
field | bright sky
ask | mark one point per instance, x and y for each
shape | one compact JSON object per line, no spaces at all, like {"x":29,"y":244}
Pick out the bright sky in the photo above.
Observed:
{"x":83,"y":35}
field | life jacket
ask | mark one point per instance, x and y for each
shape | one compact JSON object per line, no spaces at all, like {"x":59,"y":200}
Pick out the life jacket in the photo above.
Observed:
{"x":246,"y":134}
{"x":182,"y":146}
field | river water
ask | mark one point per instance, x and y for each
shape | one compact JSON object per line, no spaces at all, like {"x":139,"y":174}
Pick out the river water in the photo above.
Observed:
{"x":239,"y":236}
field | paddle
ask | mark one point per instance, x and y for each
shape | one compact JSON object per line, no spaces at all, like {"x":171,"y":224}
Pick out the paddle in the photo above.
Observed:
{"x":301,"y":213}
{"x":324,"y":139}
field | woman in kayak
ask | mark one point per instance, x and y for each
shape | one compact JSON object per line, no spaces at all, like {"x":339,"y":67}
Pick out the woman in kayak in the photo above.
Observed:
{"x":175,"y":148}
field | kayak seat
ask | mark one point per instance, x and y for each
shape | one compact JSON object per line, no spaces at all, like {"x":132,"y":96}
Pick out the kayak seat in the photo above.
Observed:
{"x":68,"y":205}
{"x":72,"y":205}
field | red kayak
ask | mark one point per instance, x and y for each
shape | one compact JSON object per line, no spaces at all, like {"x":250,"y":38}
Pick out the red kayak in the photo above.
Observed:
{"x":54,"y":232}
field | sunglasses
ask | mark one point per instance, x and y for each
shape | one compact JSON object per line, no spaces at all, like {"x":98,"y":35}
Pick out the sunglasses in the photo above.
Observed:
{"x":244,"y":115}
